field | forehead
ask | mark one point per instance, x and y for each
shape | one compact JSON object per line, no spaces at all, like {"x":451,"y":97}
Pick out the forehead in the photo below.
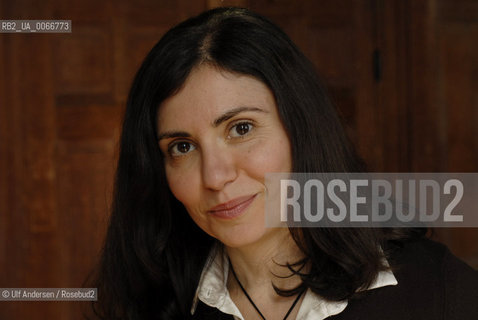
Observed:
{"x":209,"y":92}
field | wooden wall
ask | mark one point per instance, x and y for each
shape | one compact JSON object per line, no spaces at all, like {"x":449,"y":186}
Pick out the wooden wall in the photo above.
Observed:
{"x":62,"y":97}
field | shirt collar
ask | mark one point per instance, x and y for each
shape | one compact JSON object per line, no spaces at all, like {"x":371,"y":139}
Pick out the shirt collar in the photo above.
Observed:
{"x":212,"y":290}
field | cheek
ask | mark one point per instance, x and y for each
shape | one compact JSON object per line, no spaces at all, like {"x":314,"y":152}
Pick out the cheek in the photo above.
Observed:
{"x":269,"y":155}
{"x":182,"y":186}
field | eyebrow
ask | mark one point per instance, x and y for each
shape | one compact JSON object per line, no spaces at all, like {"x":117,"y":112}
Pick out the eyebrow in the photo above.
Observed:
{"x":231,"y":113}
{"x":224,"y":117}
{"x":173,"y":134}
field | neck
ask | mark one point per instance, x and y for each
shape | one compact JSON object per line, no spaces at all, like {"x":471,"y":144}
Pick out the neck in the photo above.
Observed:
{"x":259,"y":265}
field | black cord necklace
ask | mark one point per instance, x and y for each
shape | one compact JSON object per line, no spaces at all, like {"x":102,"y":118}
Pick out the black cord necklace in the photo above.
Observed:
{"x":252,"y":302}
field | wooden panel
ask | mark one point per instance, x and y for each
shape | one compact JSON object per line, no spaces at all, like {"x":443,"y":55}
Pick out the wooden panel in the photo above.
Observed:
{"x":82,"y":12}
{"x":333,"y":51}
{"x":89,"y":122}
{"x":426,"y":114}
{"x":337,"y":14}
{"x":444,"y":100}
{"x":38,"y":121}
{"x":337,"y":37}
{"x":83,"y":61}
{"x":135,"y":44}
{"x":31,"y":204}
{"x":276,"y":9}
{"x":461,"y":11}
{"x":85,"y":171}
{"x":344,"y":98}
{"x":65,"y":96}
{"x":287,"y":15}
{"x":456,"y":32}
{"x":136,"y":29}
{"x":226,"y":3}
{"x":14,"y":242}
{"x":5,"y":153}
{"x":370,"y":115}
{"x":153,"y":13}
{"x":391,"y":35}
{"x":458,"y":66}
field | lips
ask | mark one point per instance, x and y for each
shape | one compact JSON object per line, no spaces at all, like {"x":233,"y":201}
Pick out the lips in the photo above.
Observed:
{"x":233,"y":208}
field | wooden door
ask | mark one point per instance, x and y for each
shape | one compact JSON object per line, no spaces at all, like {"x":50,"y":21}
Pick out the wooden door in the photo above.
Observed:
{"x":338,"y":36}
{"x":442,"y":98}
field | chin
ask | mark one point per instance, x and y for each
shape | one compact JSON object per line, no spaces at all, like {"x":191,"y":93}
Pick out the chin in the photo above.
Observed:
{"x":241,"y":236}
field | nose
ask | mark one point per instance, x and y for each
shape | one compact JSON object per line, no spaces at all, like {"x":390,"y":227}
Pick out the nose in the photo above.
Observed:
{"x":218,"y":168}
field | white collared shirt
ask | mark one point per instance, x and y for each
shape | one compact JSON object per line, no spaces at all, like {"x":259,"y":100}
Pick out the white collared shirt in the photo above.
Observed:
{"x":212,"y":290}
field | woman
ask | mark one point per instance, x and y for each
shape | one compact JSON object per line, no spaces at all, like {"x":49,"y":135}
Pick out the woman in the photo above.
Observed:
{"x":221,"y":100}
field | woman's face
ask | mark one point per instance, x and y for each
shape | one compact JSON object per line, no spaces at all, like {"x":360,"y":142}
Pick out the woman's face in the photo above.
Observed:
{"x":220,"y":134}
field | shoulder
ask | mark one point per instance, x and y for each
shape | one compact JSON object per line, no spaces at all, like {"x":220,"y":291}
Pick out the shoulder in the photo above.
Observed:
{"x":426,"y":254}
{"x":430,"y":263}
{"x":205,"y":312}
{"x":434,"y":276}
{"x":432,"y":284}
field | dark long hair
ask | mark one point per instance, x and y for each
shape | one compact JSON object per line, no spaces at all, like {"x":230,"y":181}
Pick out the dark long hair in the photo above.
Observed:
{"x":154,"y":253}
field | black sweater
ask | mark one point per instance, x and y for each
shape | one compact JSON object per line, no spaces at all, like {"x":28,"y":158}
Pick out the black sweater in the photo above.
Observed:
{"x":432,"y":284}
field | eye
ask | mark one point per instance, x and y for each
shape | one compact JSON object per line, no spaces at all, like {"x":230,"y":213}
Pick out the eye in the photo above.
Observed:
{"x":240,"y":129}
{"x":180,"y":148}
